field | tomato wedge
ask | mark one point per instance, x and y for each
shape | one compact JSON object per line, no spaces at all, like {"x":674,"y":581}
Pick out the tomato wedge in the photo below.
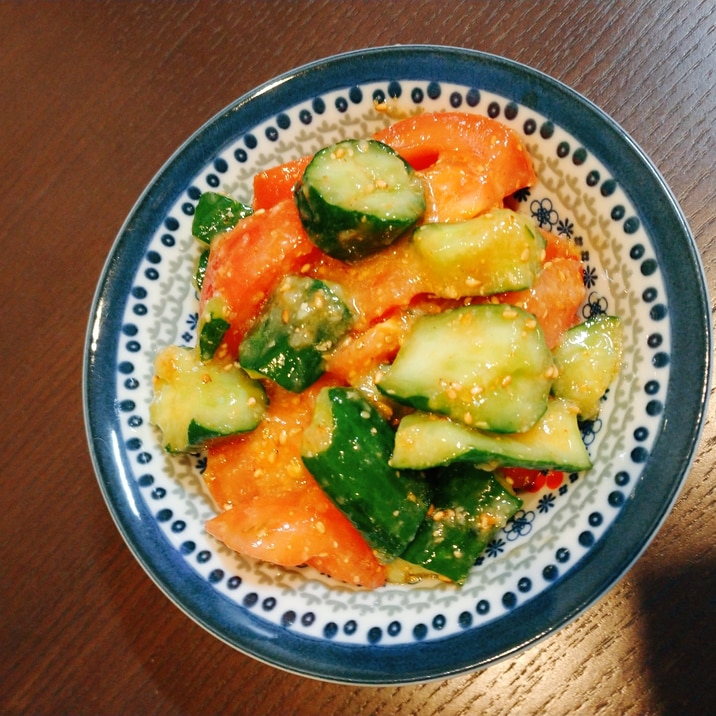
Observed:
{"x":273,"y":509}
{"x":469,"y":163}
{"x":247,"y":263}
{"x":274,"y":185}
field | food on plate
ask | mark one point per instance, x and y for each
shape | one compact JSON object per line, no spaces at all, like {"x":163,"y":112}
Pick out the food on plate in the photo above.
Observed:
{"x":388,"y":354}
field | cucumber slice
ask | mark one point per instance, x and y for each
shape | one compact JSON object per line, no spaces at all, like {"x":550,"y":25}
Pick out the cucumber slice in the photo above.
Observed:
{"x":485,"y":365}
{"x":346,"y":448}
{"x":216,"y":213}
{"x":303,"y":320}
{"x":588,"y":359}
{"x":500,"y":250}
{"x":426,"y":440}
{"x":195,"y":402}
{"x":356,"y":197}
{"x":470,"y":506}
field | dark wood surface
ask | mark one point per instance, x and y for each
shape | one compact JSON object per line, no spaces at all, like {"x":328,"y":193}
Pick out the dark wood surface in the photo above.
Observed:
{"x":94,"y":97}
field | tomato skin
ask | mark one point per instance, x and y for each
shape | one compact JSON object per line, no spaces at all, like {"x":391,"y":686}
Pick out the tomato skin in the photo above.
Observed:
{"x":526,"y":479}
{"x":271,"y":506}
{"x":557,"y":293}
{"x":469,"y":163}
{"x":275,"y":185}
{"x":247,"y":263}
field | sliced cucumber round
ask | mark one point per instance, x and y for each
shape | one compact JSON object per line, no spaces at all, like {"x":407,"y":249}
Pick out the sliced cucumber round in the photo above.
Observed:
{"x":358,"y":196}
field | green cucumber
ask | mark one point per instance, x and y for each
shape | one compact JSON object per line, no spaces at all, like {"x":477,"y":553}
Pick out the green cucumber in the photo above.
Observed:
{"x":346,"y":448}
{"x":498,"y":251}
{"x":485,"y":365}
{"x":426,"y":440}
{"x":200,"y":271}
{"x":216,"y":213}
{"x":469,"y":506}
{"x":195,"y":402}
{"x":212,"y":331}
{"x":302,"y":321}
{"x":588,"y":359}
{"x":358,"y":196}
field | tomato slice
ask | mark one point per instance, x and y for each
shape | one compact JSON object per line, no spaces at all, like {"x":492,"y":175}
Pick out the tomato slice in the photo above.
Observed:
{"x":247,"y":263}
{"x":275,"y":185}
{"x":557,"y":293}
{"x":469,"y":163}
{"x":272,"y":508}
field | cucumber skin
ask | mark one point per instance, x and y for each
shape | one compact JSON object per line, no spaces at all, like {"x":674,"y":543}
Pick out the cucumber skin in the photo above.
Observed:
{"x":453,"y":535}
{"x":426,"y":440}
{"x":271,"y":347}
{"x":340,"y":232}
{"x":216,"y":213}
{"x":386,"y":505}
{"x":211,"y":334}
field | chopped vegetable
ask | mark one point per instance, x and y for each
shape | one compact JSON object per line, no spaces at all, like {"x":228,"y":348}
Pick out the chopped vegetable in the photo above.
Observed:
{"x":194,"y":401}
{"x":426,"y":440}
{"x":588,"y":360}
{"x":495,"y":252}
{"x":469,"y":507}
{"x":356,"y":197}
{"x":387,"y":351}
{"x":485,"y":365}
{"x":216,"y":213}
{"x":303,"y":320}
{"x":346,"y":448}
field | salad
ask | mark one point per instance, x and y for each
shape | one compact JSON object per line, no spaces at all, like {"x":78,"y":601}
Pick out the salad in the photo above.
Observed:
{"x":388,"y":353}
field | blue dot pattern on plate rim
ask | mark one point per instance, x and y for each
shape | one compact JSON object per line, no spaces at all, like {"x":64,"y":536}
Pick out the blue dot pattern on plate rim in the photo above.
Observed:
{"x":555,"y":529}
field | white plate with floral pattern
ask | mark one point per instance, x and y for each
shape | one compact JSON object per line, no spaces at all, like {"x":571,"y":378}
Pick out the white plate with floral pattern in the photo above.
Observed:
{"x":574,"y":538}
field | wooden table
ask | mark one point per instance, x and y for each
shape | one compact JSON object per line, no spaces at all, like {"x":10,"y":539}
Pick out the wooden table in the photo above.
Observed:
{"x":94,"y":97}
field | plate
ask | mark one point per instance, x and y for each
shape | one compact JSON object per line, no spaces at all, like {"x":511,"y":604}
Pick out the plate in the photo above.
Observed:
{"x":573,"y":539}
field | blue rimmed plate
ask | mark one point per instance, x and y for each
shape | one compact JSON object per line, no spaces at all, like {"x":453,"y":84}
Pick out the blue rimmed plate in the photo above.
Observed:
{"x":572,"y":540}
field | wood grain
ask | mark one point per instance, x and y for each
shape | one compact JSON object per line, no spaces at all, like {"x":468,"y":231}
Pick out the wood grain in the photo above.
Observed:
{"x":94,"y":98}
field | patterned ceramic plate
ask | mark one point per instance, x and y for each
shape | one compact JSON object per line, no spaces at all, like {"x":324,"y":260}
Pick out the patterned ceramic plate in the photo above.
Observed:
{"x":574,"y":538}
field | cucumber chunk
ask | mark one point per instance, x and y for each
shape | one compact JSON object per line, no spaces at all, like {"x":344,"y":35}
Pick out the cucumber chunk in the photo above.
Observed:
{"x":588,"y":359}
{"x":303,"y":320}
{"x":426,"y":440}
{"x":358,"y":196}
{"x":485,"y":365}
{"x":194,"y":402}
{"x":346,"y":448}
{"x":216,"y":213}
{"x":470,"y":506}
{"x":500,"y":250}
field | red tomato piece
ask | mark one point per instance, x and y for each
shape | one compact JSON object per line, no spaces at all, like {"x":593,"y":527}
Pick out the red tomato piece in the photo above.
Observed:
{"x":469,"y":163}
{"x":379,"y":283}
{"x":273,"y":509}
{"x":276,"y":184}
{"x":248,"y":262}
{"x":531,"y":480}
{"x":557,"y":293}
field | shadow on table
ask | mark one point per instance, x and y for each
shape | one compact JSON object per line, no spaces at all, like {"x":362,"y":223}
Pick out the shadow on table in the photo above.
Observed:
{"x":679,"y":608}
